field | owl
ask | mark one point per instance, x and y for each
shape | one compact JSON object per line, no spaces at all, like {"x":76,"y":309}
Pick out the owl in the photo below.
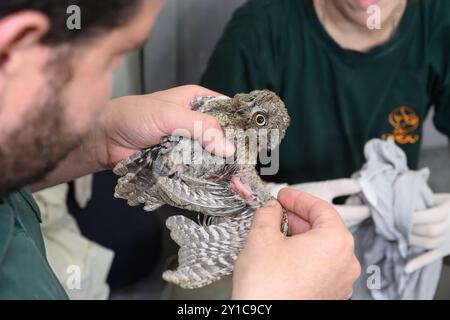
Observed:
{"x":225,"y":192}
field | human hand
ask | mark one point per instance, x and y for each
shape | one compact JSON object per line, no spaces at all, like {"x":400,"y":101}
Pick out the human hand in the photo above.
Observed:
{"x":352,"y":214}
{"x":133,"y":123}
{"x":316,"y":262}
{"x":431,"y":231}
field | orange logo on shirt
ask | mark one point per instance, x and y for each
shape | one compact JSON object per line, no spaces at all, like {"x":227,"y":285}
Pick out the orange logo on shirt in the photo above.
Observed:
{"x":405,"y":123}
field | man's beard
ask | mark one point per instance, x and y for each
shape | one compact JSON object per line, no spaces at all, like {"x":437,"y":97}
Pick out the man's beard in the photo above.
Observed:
{"x":29,"y":153}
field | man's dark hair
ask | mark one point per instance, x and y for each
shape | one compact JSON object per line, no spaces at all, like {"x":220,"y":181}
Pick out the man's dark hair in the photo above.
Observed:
{"x":97,"y":16}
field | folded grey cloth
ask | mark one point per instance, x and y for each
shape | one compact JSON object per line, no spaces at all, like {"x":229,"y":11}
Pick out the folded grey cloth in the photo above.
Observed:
{"x":393,"y":193}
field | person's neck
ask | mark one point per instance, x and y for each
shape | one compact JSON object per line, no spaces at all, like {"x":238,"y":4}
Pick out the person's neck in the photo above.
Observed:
{"x":351,"y":35}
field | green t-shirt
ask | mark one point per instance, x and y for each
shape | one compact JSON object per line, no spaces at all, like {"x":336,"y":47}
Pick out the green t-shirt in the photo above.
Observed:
{"x":24,"y":270}
{"x":338,"y":99}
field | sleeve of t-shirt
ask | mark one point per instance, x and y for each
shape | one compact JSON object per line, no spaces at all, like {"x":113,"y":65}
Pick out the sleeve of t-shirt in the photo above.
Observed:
{"x":440,"y":66}
{"x":441,"y":102}
{"x":242,"y":60}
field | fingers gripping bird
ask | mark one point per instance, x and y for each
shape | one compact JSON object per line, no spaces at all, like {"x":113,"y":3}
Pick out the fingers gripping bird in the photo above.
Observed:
{"x":225,"y":192}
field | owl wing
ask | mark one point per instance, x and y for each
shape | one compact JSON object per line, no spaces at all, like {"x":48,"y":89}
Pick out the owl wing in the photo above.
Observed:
{"x":144,"y":181}
{"x":200,"y":195}
{"x":206,"y":253}
{"x":137,"y":182}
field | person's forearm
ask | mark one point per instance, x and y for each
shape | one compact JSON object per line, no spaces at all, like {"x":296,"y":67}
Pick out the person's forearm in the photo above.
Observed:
{"x":79,"y":162}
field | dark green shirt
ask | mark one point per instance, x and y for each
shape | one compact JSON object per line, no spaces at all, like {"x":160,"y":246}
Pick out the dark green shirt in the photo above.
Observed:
{"x":24,"y":270}
{"x":338,"y":99}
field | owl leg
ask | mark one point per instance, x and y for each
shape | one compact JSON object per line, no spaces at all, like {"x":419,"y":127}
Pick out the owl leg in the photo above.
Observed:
{"x":285,"y":223}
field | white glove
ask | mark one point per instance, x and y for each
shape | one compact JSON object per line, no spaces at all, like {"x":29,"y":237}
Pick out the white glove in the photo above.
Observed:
{"x":431,"y":227}
{"x":353,"y":212}
{"x":431,"y":231}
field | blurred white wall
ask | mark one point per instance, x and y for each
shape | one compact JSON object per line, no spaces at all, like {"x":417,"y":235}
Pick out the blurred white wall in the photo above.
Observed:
{"x":184,"y":37}
{"x":431,"y":137}
{"x":127,"y":79}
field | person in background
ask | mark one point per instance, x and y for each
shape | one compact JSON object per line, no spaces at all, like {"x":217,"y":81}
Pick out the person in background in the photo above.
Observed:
{"x":344,"y":84}
{"x":56,"y":124}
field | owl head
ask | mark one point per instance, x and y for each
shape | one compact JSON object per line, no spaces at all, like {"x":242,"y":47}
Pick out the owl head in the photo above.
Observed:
{"x":264,"y":113}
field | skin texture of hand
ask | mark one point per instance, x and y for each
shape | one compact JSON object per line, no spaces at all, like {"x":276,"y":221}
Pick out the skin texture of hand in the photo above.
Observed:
{"x":431,"y":231}
{"x":315,"y":262}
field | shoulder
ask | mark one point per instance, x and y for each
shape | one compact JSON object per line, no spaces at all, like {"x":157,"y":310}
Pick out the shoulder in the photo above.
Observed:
{"x":435,"y":24}
{"x":6,"y":225}
{"x":436,"y":16}
{"x":436,"y":9}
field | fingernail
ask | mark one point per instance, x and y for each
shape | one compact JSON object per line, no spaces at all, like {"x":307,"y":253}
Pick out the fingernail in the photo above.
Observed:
{"x":271,"y":204}
{"x":222,"y":147}
{"x":230,"y":149}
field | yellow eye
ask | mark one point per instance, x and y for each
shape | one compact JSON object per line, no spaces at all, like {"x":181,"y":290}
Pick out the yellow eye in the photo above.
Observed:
{"x":260,"y":119}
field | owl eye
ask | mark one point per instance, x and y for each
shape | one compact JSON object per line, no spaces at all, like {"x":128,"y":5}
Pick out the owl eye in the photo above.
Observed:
{"x":260,"y":119}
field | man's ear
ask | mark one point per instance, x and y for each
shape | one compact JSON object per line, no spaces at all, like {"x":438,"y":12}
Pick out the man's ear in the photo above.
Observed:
{"x":20,"y":31}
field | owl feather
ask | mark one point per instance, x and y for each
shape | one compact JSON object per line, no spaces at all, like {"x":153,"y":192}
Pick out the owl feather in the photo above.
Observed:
{"x":225,"y":192}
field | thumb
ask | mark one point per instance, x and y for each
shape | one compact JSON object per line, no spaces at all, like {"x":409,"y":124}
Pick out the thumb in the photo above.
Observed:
{"x":268,"y":217}
{"x":174,"y":120}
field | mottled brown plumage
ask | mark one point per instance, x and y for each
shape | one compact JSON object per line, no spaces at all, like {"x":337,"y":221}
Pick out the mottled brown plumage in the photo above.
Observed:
{"x":226,"y":192}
